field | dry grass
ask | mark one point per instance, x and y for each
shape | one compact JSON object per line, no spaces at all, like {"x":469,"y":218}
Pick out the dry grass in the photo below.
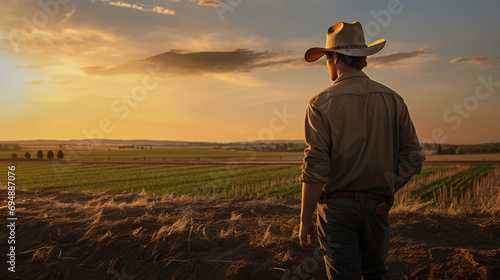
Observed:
{"x":262,"y":189}
{"x":268,"y":238}
{"x":235,"y":217}
{"x":226,"y":233}
{"x":90,"y":235}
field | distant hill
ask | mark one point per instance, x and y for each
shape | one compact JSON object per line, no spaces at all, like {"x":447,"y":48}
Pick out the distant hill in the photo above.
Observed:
{"x":281,"y":141}
{"x":137,"y":142}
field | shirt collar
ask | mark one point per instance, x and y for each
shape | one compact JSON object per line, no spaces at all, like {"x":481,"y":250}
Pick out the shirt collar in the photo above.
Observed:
{"x":351,"y":74}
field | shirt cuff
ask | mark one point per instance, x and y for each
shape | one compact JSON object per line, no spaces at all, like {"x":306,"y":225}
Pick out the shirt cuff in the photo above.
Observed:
{"x":310,"y":176}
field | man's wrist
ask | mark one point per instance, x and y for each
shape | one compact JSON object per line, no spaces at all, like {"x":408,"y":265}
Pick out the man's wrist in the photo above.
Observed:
{"x":307,"y":214}
{"x":306,"y":218}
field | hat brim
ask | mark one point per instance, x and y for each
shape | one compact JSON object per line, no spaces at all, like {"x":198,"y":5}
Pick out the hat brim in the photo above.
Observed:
{"x":314,"y":54}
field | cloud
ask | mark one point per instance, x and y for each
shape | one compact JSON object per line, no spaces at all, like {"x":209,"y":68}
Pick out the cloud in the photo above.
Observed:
{"x":211,"y":3}
{"x":477,"y":60}
{"x":178,"y":62}
{"x":208,"y":3}
{"x":57,"y":46}
{"x":393,"y":59}
{"x":67,"y":16}
{"x":140,"y":7}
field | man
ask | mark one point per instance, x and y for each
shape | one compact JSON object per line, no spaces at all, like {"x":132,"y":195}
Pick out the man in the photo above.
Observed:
{"x":361,"y":148}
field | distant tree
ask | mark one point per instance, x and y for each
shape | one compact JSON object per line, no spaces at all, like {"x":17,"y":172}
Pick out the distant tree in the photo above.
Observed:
{"x":460,"y":150}
{"x":60,"y":154}
{"x":39,"y":154}
{"x":439,"y":149}
{"x":50,"y":155}
{"x":27,"y":155}
{"x":14,"y":155}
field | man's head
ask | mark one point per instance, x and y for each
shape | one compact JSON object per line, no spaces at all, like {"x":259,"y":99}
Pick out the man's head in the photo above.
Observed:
{"x":338,"y":63}
{"x":346,"y":43}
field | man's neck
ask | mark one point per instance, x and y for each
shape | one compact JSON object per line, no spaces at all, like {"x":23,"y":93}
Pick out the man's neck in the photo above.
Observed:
{"x":344,"y":69}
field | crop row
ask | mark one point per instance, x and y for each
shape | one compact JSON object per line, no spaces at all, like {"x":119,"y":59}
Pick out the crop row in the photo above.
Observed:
{"x":459,"y":182}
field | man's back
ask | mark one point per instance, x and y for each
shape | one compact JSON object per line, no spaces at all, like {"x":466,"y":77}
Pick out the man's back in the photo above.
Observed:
{"x":364,"y":125}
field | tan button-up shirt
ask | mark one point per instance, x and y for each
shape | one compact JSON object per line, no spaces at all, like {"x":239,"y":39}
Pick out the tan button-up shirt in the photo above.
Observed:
{"x":359,"y":137}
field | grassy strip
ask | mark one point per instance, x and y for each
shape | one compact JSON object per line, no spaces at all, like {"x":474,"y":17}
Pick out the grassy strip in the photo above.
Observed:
{"x":429,"y":171}
{"x":459,"y":182}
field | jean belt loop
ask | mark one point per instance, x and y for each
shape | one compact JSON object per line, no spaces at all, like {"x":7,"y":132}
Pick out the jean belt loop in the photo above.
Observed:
{"x":360,"y":198}
{"x":357,"y":196}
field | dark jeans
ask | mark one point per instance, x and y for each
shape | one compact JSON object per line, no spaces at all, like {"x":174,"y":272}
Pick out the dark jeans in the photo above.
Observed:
{"x":354,"y":239}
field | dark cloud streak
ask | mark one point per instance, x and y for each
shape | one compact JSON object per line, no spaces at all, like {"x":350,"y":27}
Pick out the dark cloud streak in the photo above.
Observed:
{"x":177,"y":62}
{"x":388,"y":59}
{"x":477,"y":60}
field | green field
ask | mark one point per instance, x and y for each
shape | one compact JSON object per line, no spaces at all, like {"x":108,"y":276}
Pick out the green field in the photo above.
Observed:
{"x":218,"y":180}
{"x":280,"y":180}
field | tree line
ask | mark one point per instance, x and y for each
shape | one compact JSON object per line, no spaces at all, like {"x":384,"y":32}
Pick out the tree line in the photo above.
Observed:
{"x":39,"y":155}
{"x":272,"y":147}
{"x":487,"y":148}
{"x":133,"y":147}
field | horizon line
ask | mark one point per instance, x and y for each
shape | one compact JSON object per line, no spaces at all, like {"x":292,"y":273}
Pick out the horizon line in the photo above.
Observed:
{"x":203,"y":141}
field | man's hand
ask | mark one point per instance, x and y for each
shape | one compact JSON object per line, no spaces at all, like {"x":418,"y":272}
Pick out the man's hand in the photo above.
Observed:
{"x":307,"y":234}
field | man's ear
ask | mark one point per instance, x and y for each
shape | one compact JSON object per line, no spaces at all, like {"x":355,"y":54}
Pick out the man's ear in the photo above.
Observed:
{"x":335,"y":58}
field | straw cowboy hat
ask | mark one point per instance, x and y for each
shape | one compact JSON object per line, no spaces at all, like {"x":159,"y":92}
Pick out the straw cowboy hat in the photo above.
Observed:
{"x":345,"y":38}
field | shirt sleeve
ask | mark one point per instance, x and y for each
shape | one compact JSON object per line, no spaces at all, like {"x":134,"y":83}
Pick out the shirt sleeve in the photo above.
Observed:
{"x":316,"y":163}
{"x":410,"y":151}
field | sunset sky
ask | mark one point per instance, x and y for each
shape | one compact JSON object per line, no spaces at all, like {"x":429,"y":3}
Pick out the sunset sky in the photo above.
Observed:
{"x":233,"y":70}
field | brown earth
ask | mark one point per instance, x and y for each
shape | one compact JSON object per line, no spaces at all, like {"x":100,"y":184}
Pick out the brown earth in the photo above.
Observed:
{"x":84,"y":235}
